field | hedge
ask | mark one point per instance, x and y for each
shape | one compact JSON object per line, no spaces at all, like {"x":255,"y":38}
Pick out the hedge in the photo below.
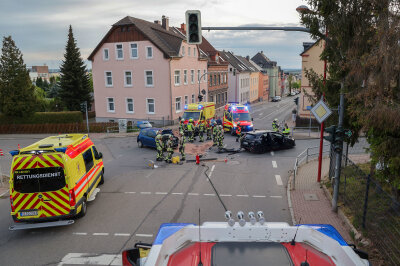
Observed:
{"x":55,"y":128}
{"x":44,"y":118}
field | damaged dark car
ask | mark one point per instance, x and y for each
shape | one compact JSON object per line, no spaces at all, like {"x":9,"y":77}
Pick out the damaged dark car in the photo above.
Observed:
{"x":265,"y":140}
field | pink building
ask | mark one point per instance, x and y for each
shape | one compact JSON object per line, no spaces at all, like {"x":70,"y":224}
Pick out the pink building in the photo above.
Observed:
{"x":144,"y":70}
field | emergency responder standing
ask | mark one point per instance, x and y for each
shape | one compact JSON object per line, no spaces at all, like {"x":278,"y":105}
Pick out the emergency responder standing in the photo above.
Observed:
{"x":220,"y":137}
{"x":215,"y":133}
{"x":159,"y":146}
{"x":286,"y":130}
{"x":190,"y":129}
{"x":201,"y":131}
{"x":275,"y":125}
{"x":238,"y":132}
{"x":170,"y":150}
{"x":181,"y":125}
{"x":209,"y":130}
{"x":182,"y":146}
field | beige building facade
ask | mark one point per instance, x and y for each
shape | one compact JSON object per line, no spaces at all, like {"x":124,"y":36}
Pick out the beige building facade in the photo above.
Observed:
{"x":310,"y":59}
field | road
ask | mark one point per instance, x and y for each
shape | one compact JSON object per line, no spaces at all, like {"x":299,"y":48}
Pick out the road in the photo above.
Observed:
{"x":135,"y":199}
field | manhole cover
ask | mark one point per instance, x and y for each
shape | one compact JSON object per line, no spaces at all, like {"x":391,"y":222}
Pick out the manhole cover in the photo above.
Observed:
{"x":308,"y":196}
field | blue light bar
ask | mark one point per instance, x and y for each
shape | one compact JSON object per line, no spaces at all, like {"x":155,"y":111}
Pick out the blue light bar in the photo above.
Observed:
{"x":200,"y":107}
{"x":234,"y":107}
{"x":185,"y":107}
{"x":166,"y":230}
{"x":63,"y":150}
{"x":246,"y":108}
{"x":15,"y":152}
{"x":328,"y":230}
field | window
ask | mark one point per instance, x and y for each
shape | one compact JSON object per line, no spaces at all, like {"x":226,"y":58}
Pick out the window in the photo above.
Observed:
{"x":149,"y":78}
{"x":183,"y":50}
{"x":39,"y":179}
{"x":211,"y":98}
{"x":110,"y":105}
{"x":88,"y":158}
{"x":119,"y":52}
{"x":194,"y":52}
{"x":204,"y":75}
{"x":215,"y":80}
{"x":178,"y":104}
{"x":149,"y":52}
{"x":177,"y":76}
{"x":192,"y":98}
{"x":128,"y":79}
{"x":222,"y":98}
{"x":150,"y":106}
{"x":134,"y":51}
{"x":192,"y":76}
{"x":219,"y":79}
{"x":106,"y":54}
{"x":211,"y":81}
{"x":129,"y":105}
{"x":109,"y":81}
{"x":185,"y":80}
{"x":188,"y":51}
{"x":186,"y":99}
{"x":218,"y":97}
{"x":198,"y":75}
{"x":226,"y":96}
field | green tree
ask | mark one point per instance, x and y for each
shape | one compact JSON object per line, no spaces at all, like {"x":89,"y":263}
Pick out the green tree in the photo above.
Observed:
{"x":16,"y":89}
{"x":39,"y":82}
{"x":74,"y":84}
{"x":363,"y":51}
{"x":290,"y":82}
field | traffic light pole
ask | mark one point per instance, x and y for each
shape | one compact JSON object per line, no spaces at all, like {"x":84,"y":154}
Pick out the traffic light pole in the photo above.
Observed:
{"x":338,"y":164}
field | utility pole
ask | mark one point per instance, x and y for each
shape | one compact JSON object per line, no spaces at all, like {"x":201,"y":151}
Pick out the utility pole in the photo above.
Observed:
{"x":87,"y":120}
{"x":339,"y":149}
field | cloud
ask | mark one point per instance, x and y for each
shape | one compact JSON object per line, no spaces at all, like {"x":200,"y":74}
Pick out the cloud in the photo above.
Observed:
{"x":40,"y":28}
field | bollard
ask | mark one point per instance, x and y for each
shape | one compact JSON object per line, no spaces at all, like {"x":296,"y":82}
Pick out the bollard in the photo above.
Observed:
{"x":197,"y":159}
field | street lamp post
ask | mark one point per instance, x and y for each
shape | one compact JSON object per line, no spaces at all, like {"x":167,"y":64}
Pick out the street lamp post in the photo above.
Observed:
{"x":200,"y":97}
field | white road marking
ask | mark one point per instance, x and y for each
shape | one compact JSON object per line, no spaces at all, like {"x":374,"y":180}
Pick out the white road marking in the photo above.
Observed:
{"x":161,"y":193}
{"x":193,"y":194}
{"x":278,"y":197}
{"x":92,"y":259}
{"x":145,"y":193}
{"x":258,"y":196}
{"x":226,"y":195}
{"x":130,"y":192}
{"x":211,"y":171}
{"x":177,"y":193}
{"x":100,"y":234}
{"x":278,"y":180}
{"x":122,"y":234}
{"x":274,"y":165}
{"x":261,"y":113}
{"x":144,"y":235}
{"x":272,"y":153}
{"x":242,"y":195}
{"x":209,"y":194}
{"x":79,"y":234}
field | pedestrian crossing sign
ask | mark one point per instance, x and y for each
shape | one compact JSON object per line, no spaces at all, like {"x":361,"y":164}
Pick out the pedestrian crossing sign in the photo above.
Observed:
{"x":321,"y":111}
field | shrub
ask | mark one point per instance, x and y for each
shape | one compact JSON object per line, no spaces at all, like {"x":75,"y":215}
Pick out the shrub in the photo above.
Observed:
{"x":44,"y":118}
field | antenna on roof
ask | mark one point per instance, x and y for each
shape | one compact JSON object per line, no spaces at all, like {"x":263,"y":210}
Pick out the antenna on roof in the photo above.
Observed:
{"x":305,"y":263}
{"x":294,"y":238}
{"x":200,"y":262}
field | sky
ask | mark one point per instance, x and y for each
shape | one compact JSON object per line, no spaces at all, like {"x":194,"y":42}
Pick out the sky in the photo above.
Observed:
{"x":40,"y":27}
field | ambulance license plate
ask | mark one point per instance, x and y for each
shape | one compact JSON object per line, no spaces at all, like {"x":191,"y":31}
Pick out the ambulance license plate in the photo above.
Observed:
{"x":29,"y":213}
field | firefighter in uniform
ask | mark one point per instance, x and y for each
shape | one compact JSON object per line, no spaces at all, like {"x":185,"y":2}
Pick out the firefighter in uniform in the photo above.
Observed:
{"x":201,"y":131}
{"x":275,"y":125}
{"x":190,"y":129}
{"x":220,"y":137}
{"x":159,"y":146}
{"x":286,"y":130}
{"x":182,"y":146}
{"x":238,"y":132}
{"x":215,"y":133}
{"x":170,"y":150}
{"x":209,"y":130}
{"x":181,"y":125}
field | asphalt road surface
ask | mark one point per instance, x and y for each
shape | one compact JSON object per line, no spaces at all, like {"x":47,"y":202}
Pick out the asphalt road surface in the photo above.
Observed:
{"x":136,"y":199}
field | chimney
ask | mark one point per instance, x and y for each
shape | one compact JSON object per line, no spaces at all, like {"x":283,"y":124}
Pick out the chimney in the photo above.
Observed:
{"x":157,"y":22}
{"x":262,"y":52}
{"x":248,"y":58}
{"x":183,"y":27}
{"x":165,"y":22}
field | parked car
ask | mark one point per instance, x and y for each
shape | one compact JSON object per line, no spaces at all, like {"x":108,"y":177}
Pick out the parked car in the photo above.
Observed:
{"x":143,"y":124}
{"x":266,"y":140}
{"x":276,"y":98}
{"x":147,"y":137}
{"x":293,"y":93}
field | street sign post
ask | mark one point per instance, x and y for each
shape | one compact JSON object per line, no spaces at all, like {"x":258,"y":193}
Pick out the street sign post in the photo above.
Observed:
{"x":321,"y":111}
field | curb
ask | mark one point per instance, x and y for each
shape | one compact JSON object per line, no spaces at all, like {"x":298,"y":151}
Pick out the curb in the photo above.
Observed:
{"x":290,"y":200}
{"x":340,"y":213}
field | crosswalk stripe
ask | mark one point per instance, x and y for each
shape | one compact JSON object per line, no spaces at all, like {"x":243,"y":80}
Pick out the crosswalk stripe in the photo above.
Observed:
{"x":91,"y":259}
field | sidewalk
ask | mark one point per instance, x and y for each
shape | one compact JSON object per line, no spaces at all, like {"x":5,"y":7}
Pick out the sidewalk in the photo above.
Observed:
{"x":309,"y":202}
